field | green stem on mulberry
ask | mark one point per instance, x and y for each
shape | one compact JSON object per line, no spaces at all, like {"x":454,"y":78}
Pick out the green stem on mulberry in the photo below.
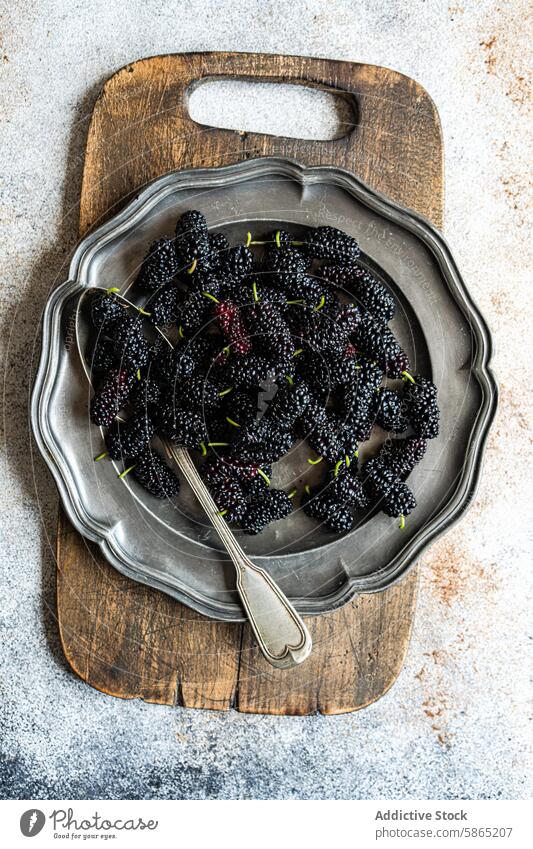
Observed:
{"x":249,"y":239}
{"x":289,"y":380}
{"x":402,"y":523}
{"x":225,"y":391}
{"x":209,"y":295}
{"x":226,"y":350}
{"x":338,"y":465}
{"x":217,"y":444}
{"x":314,"y":462}
{"x":264,"y":476}
{"x":292,"y":493}
{"x":143,"y":312}
{"x":409,"y":377}
{"x":101,"y":456}
{"x":307,"y":489}
{"x":112,"y":290}
{"x":231,"y":422}
{"x":222,"y":512}
{"x":181,"y":334}
{"x":254,"y":290}
{"x":126,"y":471}
{"x":297,"y":301}
{"x":347,"y":459}
{"x":320,"y":303}
{"x":192,"y":267}
{"x":298,"y":352}
{"x":138,"y":374}
{"x":203,"y":449}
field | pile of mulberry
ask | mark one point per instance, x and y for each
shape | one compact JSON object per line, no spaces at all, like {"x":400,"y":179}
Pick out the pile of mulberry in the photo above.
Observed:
{"x":240,"y":352}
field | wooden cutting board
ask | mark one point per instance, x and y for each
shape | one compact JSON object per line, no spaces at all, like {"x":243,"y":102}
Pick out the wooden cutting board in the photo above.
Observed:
{"x":134,"y":642}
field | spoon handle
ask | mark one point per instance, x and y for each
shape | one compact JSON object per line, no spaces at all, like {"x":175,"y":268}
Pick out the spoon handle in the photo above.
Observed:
{"x":279,"y":630}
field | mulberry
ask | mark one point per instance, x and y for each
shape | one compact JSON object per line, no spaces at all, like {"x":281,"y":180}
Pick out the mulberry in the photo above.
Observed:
{"x":394,"y":496}
{"x":378,"y":343}
{"x":131,"y":347}
{"x":164,"y":306}
{"x":390,"y":412}
{"x":309,"y":290}
{"x":102,"y":359}
{"x":349,"y":317}
{"x":275,"y":445}
{"x":197,"y":393}
{"x":347,"y":489}
{"x":183,"y":427}
{"x":288,"y":404}
{"x":193,"y":312}
{"x":230,"y":499}
{"x":332,"y":244}
{"x":323,"y":334}
{"x":424,"y":413}
{"x":159,"y":266}
{"x":111,"y":396}
{"x":238,"y":261}
{"x":314,"y":416}
{"x":271,"y":506}
{"x":249,"y":372}
{"x":173,"y":365}
{"x":398,"y":501}
{"x":192,"y":239}
{"x":335,"y":517}
{"x":232,"y":327}
{"x":403,"y":455}
{"x":367,"y":290}
{"x":131,"y":439}
{"x":155,"y":476}
{"x":218,"y":245}
{"x":147,"y":393}
{"x":105,"y":310}
{"x":242,"y":408}
{"x":359,"y":402}
{"x":281,"y":504}
{"x":327,"y":441}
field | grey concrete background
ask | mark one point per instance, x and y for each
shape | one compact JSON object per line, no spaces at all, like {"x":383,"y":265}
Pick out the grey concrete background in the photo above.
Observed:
{"x":454,"y":725}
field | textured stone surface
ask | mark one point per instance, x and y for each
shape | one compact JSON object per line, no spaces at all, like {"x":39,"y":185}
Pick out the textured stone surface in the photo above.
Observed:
{"x":454,"y":725}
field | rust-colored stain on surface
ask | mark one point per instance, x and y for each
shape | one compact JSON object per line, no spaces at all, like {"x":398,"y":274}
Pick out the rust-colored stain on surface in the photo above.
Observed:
{"x":455,"y":11}
{"x":450,"y":571}
{"x":505,"y":51}
{"x":512,"y":414}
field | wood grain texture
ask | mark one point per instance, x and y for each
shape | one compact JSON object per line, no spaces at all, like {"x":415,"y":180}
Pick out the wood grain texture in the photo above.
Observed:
{"x":131,"y":641}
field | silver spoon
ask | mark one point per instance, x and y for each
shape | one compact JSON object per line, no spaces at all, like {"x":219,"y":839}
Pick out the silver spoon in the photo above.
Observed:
{"x":280,"y":632}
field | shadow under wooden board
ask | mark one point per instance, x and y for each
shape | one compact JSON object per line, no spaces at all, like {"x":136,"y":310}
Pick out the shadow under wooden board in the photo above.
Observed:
{"x":134,"y":642}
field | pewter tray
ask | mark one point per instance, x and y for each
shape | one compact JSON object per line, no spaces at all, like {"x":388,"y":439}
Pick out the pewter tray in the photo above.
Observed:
{"x":168,"y":545}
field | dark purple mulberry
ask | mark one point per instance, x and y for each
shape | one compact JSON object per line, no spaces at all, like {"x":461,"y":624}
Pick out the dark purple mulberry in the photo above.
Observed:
{"x":159,"y":266}
{"x":332,"y":244}
{"x":424,"y":413}
{"x":377,"y":342}
{"x":129,"y":439}
{"x":111,"y":396}
{"x":364,"y":287}
{"x":155,"y":476}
